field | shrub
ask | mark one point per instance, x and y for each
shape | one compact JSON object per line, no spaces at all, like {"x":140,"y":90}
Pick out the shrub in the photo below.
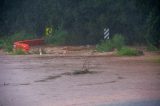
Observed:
{"x":19,"y":52}
{"x":151,"y":47}
{"x":108,"y":45}
{"x":118,"y":41}
{"x":126,"y":51}
{"x":8,"y":47}
{"x":1,"y":43}
{"x":105,"y":46}
{"x":6,"y":44}
{"x":58,"y":38}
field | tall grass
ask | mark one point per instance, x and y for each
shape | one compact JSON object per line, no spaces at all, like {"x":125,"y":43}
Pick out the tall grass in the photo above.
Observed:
{"x":117,"y":42}
{"x":19,"y":52}
{"x":126,"y":51}
{"x":105,"y":46}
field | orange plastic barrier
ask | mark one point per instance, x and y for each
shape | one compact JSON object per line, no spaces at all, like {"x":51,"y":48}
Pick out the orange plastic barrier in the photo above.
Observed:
{"x":33,"y":42}
{"x":25,"y":44}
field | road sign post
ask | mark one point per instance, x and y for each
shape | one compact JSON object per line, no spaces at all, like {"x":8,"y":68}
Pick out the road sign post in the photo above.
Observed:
{"x":106,"y":33}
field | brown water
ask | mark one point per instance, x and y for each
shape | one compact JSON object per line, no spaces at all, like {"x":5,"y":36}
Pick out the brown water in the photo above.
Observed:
{"x":34,"y":80}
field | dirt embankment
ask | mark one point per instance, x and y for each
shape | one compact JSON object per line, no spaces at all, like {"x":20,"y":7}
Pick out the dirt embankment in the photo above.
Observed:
{"x":87,"y":50}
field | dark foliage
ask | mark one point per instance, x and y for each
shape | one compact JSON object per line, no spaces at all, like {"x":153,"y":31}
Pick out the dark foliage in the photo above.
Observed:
{"x":84,"y":20}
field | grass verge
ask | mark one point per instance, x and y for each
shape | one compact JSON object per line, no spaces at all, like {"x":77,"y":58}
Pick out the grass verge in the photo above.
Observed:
{"x":117,"y":42}
{"x":19,"y":52}
{"x":126,"y":51}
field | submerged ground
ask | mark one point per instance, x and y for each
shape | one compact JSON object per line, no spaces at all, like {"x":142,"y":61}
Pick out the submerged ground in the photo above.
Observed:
{"x":49,"y":80}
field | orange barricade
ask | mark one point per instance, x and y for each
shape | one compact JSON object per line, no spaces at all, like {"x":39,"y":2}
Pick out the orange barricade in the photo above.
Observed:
{"x":25,"y":44}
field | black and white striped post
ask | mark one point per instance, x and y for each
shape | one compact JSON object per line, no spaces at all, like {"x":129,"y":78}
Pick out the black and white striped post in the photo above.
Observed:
{"x":106,"y":33}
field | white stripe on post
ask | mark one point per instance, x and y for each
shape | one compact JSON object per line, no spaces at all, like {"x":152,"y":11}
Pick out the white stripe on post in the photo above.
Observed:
{"x":106,"y":33}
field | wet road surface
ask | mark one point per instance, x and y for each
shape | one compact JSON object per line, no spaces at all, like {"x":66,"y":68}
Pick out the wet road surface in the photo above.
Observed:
{"x":50,"y":81}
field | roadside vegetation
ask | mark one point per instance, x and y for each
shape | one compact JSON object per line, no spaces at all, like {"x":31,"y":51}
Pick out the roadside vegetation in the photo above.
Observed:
{"x":126,"y":51}
{"x":7,"y":42}
{"x":117,"y":43}
{"x":58,"y":37}
{"x":82,"y":22}
{"x":151,"y":47}
{"x":18,"y":52}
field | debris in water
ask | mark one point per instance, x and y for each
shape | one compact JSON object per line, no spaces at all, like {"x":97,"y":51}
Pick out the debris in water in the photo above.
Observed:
{"x":85,"y":71}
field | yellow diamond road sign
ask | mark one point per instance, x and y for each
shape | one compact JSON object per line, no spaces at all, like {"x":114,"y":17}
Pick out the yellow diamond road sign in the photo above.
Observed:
{"x":48,"y":31}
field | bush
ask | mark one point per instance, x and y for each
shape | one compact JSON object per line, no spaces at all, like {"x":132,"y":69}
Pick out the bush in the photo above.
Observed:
{"x":19,"y":52}
{"x":126,"y":51}
{"x":8,"y":47}
{"x":1,"y":43}
{"x":118,"y":41}
{"x":108,"y":45}
{"x":6,"y":44}
{"x":58,"y":38}
{"x":151,"y":47}
{"x":105,"y":46}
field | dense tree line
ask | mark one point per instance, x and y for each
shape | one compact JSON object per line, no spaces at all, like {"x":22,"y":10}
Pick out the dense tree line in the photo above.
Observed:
{"x":84,"y":20}
{"x":151,"y":13}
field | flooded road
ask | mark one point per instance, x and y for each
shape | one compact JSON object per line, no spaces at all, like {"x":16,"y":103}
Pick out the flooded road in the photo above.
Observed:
{"x":51,"y":81}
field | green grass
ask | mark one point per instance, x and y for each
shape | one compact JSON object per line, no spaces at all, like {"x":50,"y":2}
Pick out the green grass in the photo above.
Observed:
{"x":126,"y":51}
{"x":8,"y":47}
{"x":19,"y":52}
{"x":105,"y":46}
{"x":117,"y":42}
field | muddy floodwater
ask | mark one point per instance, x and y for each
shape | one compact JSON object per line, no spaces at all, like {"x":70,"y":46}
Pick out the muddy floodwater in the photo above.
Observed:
{"x":34,"y":80}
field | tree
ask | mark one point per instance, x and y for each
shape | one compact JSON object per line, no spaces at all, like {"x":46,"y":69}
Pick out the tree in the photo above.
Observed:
{"x":84,"y":20}
{"x":151,"y":10}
